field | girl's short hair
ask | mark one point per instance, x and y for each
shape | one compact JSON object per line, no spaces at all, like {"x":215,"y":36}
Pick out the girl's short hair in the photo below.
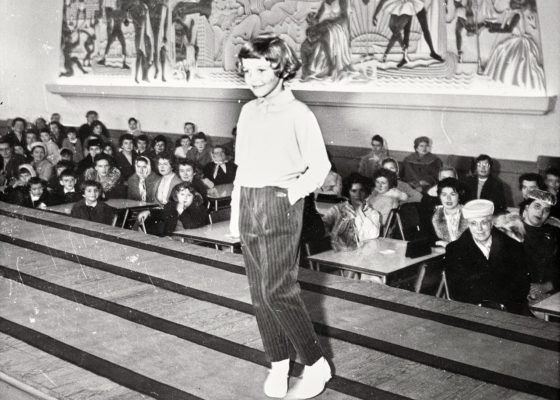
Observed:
{"x":387,"y":174}
{"x":160,"y":138}
{"x":275,"y":50}
{"x":352,"y":179}
{"x":178,"y":141}
{"x":103,"y":156}
{"x":422,"y":139}
{"x":197,"y":201}
{"x":453,"y":184}
{"x":391,"y":160}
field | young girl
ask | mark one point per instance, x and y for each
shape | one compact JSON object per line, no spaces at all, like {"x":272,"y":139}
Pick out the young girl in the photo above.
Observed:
{"x":53,"y":152}
{"x":281,"y":158}
{"x":73,"y":143}
{"x":186,"y":206}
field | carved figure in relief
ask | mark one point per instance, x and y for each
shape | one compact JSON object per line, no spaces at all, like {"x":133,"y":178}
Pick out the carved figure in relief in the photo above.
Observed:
{"x":69,"y":41}
{"x":517,"y":60}
{"x":143,"y":39}
{"x":401,"y":12}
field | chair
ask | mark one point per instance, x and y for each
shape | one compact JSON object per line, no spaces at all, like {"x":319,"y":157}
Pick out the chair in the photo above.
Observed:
{"x":314,"y":247}
{"x":223,"y":214}
{"x":443,"y":289}
{"x":407,"y":219}
{"x":393,"y":220}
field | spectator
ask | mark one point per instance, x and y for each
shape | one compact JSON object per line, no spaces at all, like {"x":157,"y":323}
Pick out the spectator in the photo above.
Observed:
{"x":53,"y":152}
{"x":91,"y":208}
{"x":57,"y":132}
{"x":142,"y":186}
{"x":448,"y":221}
{"x":372,"y":162}
{"x":126,"y":156}
{"x":134,"y":127}
{"x":43,"y":167}
{"x":385,"y":195}
{"x":9,"y":161}
{"x":200,"y":153}
{"x":15,"y":136}
{"x":528,"y":182}
{"x":108,"y":176}
{"x":86,"y":129}
{"x":485,"y":186}
{"x":38,"y":196}
{"x":182,"y":146}
{"x":414,"y":196}
{"x":421,"y":168}
{"x":552,"y":183}
{"x":220,"y":171}
{"x":71,"y":142}
{"x":94,"y":148}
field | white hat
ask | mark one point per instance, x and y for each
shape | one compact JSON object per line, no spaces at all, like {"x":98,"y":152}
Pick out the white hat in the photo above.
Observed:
{"x":41,"y":144}
{"x":478,"y":208}
{"x":29,"y":168}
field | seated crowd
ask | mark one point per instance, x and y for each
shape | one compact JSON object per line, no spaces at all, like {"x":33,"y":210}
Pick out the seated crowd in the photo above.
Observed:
{"x":493,"y":256}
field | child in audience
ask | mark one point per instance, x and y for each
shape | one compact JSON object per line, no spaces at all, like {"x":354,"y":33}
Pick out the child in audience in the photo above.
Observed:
{"x":142,"y":186}
{"x":94,"y":148}
{"x":200,"y":153}
{"x":530,"y":181}
{"x":186,"y":170}
{"x":91,"y":208}
{"x":53,"y":152}
{"x":43,"y":167}
{"x":59,"y":168}
{"x":72,"y":142}
{"x":385,"y":195}
{"x":552,"y":183}
{"x":67,"y":192}
{"x":57,"y":132}
{"x":159,"y":146}
{"x":38,"y":196}
{"x":185,"y":205}
{"x":421,"y":168}
{"x":189,"y":129}
{"x":17,"y":190}
{"x":414,"y":196}
{"x":448,"y":222}
{"x":66,"y":155}
{"x":182,"y":146}
{"x":108,"y":176}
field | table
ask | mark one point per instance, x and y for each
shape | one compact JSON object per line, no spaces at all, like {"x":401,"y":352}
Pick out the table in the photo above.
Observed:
{"x":125,"y":205}
{"x":549,"y":306}
{"x":216,"y":234}
{"x":380,"y":257}
{"x":220,"y":193}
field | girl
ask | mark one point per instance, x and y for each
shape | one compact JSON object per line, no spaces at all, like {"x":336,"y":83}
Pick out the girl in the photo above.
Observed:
{"x":186,"y":206}
{"x":182,"y":146}
{"x":53,"y":152}
{"x":385,"y":195}
{"x":281,"y":158}
{"x":448,"y":220}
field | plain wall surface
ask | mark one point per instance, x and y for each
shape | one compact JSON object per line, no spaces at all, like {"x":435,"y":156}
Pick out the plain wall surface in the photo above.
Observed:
{"x":30,"y":58}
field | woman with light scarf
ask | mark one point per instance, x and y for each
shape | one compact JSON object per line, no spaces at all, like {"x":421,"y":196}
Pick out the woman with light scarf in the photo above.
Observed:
{"x":142,"y":185}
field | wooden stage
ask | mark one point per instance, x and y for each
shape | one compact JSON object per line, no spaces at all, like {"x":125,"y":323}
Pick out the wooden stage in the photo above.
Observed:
{"x":96,"y":312}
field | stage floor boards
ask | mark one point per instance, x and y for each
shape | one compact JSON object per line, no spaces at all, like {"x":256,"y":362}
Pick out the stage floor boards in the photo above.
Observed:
{"x":96,"y":312}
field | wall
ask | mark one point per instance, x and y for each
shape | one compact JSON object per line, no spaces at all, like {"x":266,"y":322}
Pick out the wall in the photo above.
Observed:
{"x":29,"y":57}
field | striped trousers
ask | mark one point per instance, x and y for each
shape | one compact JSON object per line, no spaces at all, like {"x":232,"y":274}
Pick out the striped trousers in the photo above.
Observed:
{"x":270,"y":230}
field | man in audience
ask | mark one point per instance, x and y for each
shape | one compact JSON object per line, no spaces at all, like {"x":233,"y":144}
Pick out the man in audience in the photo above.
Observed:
{"x":66,"y":191}
{"x":126,"y":156}
{"x":541,"y":244}
{"x":189,"y":129}
{"x":9,"y":161}
{"x":485,"y":266}
{"x":94,"y":148}
{"x":372,"y":161}
{"x":86,"y":130}
{"x":220,"y":170}
{"x":485,"y":186}
{"x":530,"y":181}
{"x":552,"y":183}
{"x":142,"y":145}
{"x":55,"y":117}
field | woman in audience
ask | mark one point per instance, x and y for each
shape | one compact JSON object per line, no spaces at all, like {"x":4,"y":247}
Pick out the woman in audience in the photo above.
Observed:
{"x":448,"y":222}
{"x":186,"y":169}
{"x":57,"y":132}
{"x":421,"y":168}
{"x":53,"y":151}
{"x":134,"y":127}
{"x":16,"y":135}
{"x":72,"y":142}
{"x":159,"y":146}
{"x":414,"y":196}
{"x":186,"y":205}
{"x":43,"y":167}
{"x":182,"y":146}
{"x":168,"y":178}
{"x":107,"y":175}
{"x":100,"y":131}
{"x":385,"y":195}
{"x":142,"y":186}
{"x":372,"y":162}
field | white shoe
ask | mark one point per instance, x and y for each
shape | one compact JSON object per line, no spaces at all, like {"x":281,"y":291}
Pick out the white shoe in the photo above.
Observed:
{"x":313,"y":380}
{"x":276,"y":383}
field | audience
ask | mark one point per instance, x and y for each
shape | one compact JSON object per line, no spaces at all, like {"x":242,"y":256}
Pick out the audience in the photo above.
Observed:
{"x":142,"y":186}
{"x":126,"y":156}
{"x":142,"y":144}
{"x":421,"y":168}
{"x":552,"y":183}
{"x":107,"y":175}
{"x":53,"y":151}
{"x":94,"y":148}
{"x":43,"y":167}
{"x":414,"y":196}
{"x":57,"y":132}
{"x":16,"y":135}
{"x":168,"y":178}
{"x":72,"y":142}
{"x":134,"y":127}
{"x":66,"y":191}
{"x":229,"y":146}
{"x":483,"y":185}
{"x":485,"y":266}
{"x":9,"y":161}
{"x":448,"y":221}
{"x":385,"y":196}
{"x":186,"y":170}
{"x":37,"y":196}
{"x":332,"y":186}
{"x":86,"y":130}
{"x":67,"y":155}
{"x":186,"y":206}
{"x":159,"y":146}
{"x":220,"y":170}
{"x":372,"y":162}
{"x":91,"y":208}
{"x":189,"y":129}
{"x":16,"y":191}
{"x":30,"y":138}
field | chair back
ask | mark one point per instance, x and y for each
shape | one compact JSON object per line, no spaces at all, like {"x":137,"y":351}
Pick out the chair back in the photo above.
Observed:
{"x":315,"y":246}
{"x":407,"y":219}
{"x":223,"y":214}
{"x":443,"y":289}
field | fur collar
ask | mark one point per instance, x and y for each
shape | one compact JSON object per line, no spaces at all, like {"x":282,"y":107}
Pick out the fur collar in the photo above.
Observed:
{"x":440,"y":224}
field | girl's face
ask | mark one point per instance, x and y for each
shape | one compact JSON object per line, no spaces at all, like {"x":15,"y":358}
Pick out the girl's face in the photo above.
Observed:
{"x":261,"y":77}
{"x":97,"y":129}
{"x":102,"y":167}
{"x":381,"y":184}
{"x":186,"y":173}
{"x":185,"y":197}
{"x":108,"y":150}
{"x":159,"y":147}
{"x":142,"y":168}
{"x":164,"y":167}
{"x":19,"y":126}
{"x":71,"y":136}
{"x":132,"y":125}
{"x":449,"y":198}
{"x":30,"y":137}
{"x":185,"y":142}
{"x":188,"y":129}
{"x":54,"y":129}
{"x":45,"y":137}
{"x":38,"y":153}
{"x":91,"y":193}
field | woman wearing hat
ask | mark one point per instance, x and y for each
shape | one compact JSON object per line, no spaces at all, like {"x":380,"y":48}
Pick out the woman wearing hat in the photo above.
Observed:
{"x":43,"y":167}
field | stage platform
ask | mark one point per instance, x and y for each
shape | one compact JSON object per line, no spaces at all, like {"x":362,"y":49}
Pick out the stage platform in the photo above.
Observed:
{"x":89,"y":311}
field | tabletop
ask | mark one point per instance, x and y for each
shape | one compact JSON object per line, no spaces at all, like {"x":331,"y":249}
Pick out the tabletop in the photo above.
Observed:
{"x":550,"y":305}
{"x":217,"y":233}
{"x":119,"y":204}
{"x":220,"y":191}
{"x":380,"y":257}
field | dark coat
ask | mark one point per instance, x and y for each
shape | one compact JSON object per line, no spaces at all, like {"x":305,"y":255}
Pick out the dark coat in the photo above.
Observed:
{"x":101,"y":213}
{"x":221,"y":177}
{"x":10,"y":168}
{"x":503,"y":278}
{"x":152,"y":183}
{"x":45,"y":199}
{"x":59,"y":197}
{"x":439,"y":224}
{"x":193,"y":217}
{"x":493,"y":190}
{"x":542,"y":250}
{"x":126,"y":168}
{"x":416,"y":168}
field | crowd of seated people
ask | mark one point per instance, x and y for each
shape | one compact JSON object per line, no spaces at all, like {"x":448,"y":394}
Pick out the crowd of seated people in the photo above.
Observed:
{"x":51,"y":164}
